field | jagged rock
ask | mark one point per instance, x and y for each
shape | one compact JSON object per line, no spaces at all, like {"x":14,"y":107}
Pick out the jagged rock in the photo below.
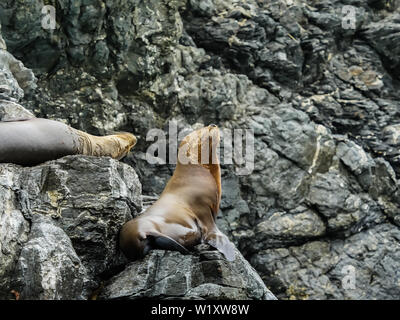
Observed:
{"x":14,"y":77}
{"x":384,"y":38}
{"x":10,"y":110}
{"x":289,"y":227}
{"x":342,"y":209}
{"x":48,"y":267}
{"x":84,"y":201}
{"x":14,"y":231}
{"x":318,"y":269}
{"x":247,"y":39}
{"x":170,"y":275}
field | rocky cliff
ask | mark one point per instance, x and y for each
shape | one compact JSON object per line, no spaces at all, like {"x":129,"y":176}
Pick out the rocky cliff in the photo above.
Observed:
{"x":317,"y":81}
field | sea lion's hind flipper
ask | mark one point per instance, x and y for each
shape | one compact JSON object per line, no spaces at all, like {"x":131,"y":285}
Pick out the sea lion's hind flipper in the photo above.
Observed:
{"x":167,"y":243}
{"x":221,"y":242}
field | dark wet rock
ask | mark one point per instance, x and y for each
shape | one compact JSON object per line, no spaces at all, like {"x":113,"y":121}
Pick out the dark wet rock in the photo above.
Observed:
{"x":247,"y":39}
{"x":384,"y":37}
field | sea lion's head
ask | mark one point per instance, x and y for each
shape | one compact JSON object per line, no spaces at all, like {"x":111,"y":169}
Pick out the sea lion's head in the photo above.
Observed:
{"x":123,"y":142}
{"x":200,"y":147}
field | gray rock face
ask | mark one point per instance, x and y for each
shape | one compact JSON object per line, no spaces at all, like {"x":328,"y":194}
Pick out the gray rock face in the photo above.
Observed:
{"x":318,"y":269}
{"x":170,"y":275}
{"x":249,"y":38}
{"x":13,"y":111}
{"x":14,"y":233}
{"x":384,"y":38}
{"x":60,"y":224}
{"x":14,"y":77}
{"x":321,"y":96}
{"x":48,"y":266}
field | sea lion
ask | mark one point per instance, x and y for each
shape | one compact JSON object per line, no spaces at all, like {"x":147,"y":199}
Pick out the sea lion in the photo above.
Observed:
{"x":185,"y":213}
{"x":32,"y":141}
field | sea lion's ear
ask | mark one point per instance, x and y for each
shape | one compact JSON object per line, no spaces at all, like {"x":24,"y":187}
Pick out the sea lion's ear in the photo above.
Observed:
{"x":221,"y":242}
{"x":166,"y":243}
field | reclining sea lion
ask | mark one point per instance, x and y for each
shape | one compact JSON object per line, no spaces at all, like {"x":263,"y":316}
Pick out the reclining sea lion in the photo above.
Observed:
{"x":29,"y":142}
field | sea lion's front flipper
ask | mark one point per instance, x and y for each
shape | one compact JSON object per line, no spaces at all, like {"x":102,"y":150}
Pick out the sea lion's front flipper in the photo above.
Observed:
{"x":167,"y":243}
{"x":221,"y":242}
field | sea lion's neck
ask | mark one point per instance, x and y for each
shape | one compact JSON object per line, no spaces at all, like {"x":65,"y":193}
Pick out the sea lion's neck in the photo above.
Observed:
{"x":216,"y":173}
{"x":192,"y":177}
{"x":199,"y":171}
